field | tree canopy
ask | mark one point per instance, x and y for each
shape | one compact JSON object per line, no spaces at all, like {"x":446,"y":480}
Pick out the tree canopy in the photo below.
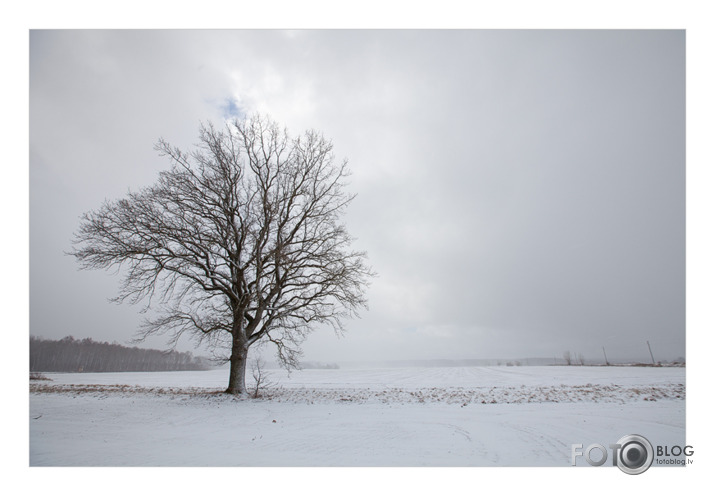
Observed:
{"x":240,"y":241}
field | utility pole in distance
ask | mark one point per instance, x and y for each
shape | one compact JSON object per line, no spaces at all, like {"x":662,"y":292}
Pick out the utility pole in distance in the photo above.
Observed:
{"x":651,"y":352}
{"x":604,"y":355}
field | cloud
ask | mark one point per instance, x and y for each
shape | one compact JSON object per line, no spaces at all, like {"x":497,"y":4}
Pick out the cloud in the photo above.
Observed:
{"x":518,"y":191}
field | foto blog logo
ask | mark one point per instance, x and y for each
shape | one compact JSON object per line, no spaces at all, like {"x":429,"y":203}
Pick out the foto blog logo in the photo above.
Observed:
{"x":633,"y":454}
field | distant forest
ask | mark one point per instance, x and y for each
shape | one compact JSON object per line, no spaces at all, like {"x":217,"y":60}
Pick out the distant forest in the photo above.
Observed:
{"x":86,"y":355}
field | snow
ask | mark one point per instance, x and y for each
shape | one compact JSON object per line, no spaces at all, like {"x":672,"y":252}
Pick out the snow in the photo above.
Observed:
{"x":471,"y":416}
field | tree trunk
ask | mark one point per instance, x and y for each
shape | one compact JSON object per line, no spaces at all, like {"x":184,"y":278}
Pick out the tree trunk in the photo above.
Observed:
{"x":237,"y":373}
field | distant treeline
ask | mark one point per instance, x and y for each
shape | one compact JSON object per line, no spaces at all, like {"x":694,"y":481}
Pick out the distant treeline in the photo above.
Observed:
{"x":319,"y":365}
{"x":86,"y":355}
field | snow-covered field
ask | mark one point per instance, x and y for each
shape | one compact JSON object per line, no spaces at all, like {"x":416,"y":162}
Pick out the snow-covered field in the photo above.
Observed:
{"x":472,"y":416}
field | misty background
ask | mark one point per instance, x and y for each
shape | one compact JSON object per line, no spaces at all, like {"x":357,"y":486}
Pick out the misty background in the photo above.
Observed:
{"x":520,"y":193}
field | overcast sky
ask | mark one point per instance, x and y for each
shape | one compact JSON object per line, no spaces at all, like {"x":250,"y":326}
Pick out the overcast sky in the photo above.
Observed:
{"x":520,"y":193}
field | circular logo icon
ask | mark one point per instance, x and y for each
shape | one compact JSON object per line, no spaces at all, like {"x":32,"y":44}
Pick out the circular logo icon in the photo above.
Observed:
{"x":635,"y":455}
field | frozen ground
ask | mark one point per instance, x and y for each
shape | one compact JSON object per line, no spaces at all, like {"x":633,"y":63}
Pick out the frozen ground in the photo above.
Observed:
{"x":473,"y":416}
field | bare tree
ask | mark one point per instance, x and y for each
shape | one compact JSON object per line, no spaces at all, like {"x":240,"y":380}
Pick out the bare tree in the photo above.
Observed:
{"x":261,"y":378}
{"x":581,"y":359}
{"x":240,"y":241}
{"x":567,"y":357}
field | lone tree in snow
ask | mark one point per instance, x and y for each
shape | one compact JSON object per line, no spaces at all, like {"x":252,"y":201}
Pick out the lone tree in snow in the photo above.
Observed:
{"x":240,"y":241}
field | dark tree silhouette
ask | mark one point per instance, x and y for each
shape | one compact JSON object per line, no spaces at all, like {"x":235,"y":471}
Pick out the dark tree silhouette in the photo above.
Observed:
{"x":239,"y":241}
{"x":86,"y":355}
